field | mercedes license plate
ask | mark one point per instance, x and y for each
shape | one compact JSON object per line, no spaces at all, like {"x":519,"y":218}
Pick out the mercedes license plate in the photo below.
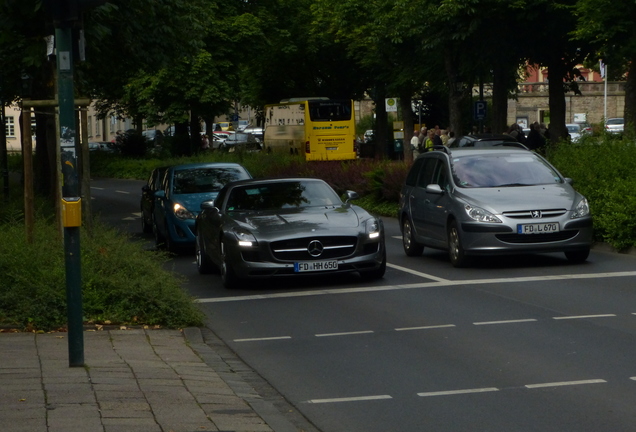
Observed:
{"x":538,"y":228}
{"x":312,"y":266}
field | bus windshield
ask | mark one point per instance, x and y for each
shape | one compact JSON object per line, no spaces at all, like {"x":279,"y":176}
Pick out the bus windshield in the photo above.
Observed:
{"x":331,"y":110}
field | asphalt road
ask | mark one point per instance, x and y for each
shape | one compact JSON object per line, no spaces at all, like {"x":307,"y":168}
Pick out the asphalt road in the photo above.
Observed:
{"x":520,"y":343}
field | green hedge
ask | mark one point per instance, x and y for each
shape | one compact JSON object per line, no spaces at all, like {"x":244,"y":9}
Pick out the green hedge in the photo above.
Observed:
{"x":604,"y":170}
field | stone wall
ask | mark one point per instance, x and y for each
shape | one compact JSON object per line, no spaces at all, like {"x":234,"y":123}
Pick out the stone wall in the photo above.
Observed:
{"x":532,"y":102}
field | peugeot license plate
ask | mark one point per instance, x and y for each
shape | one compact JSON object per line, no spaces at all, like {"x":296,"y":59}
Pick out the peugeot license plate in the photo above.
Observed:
{"x":312,"y":266}
{"x":538,"y":228}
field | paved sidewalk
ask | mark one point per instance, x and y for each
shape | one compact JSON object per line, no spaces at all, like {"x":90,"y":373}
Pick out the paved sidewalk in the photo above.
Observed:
{"x":133,"y":381}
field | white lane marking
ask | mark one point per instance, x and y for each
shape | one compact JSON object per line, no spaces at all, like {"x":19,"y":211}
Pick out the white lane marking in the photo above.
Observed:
{"x":122,"y":192}
{"x":425,"y":327}
{"x":456,"y":392}
{"x":417,"y":286}
{"x":416,"y":273}
{"x":565,"y":383}
{"x":344,"y":333}
{"x":583,"y":316}
{"x":262,"y":339}
{"x":349,"y":399}
{"x":96,"y":188}
{"x":505,"y":322}
{"x":632,"y":378}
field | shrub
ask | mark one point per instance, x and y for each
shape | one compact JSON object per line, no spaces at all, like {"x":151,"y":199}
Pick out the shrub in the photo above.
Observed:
{"x":603,"y":170}
{"x":121,"y":282}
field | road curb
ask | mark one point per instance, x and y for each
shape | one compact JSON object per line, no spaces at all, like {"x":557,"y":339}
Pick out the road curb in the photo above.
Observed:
{"x":233,"y":377}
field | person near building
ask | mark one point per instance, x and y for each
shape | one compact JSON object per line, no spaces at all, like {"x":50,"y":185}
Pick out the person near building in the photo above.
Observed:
{"x":205,"y":142}
{"x":415,"y":144}
{"x":444,"y":136}
{"x":535,"y":139}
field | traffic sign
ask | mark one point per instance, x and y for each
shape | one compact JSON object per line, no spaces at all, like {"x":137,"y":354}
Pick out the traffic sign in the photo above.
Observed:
{"x":391,"y":104}
{"x":479,"y":110}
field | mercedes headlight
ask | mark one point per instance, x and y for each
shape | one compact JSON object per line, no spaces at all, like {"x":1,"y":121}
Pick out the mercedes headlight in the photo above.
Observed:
{"x":244,"y":237}
{"x":372,"y":227}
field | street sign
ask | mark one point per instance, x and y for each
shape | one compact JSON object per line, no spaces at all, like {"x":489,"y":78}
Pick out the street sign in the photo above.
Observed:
{"x":391,"y":104}
{"x":479,"y":110}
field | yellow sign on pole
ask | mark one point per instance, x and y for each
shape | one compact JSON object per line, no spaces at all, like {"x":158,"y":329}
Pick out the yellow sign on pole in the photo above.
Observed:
{"x":391,"y":104}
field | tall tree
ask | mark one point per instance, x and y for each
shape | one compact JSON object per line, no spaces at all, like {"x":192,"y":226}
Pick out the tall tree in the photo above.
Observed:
{"x":555,"y":48}
{"x":609,"y":26}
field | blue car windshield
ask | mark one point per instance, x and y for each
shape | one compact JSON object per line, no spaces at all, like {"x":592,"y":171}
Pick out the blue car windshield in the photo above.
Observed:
{"x":282,"y":195}
{"x":483,"y":171}
{"x":205,"y":179}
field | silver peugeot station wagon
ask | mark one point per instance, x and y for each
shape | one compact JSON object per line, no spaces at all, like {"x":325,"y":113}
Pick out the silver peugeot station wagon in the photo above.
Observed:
{"x":492,"y":201}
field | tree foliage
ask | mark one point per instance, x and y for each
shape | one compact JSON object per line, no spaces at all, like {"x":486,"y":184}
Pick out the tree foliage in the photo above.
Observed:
{"x":609,"y":27}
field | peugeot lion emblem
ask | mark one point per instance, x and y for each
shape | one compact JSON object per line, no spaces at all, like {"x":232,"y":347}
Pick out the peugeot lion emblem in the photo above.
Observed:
{"x":315,"y":248}
{"x":536,"y":214}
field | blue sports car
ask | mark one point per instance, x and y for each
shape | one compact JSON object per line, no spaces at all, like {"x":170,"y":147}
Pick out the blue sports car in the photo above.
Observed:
{"x":178,"y":200}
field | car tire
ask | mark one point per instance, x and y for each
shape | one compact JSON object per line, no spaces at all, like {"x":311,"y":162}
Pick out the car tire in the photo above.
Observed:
{"x":204,"y":264}
{"x":577,"y":256}
{"x":169,"y":243}
{"x":375,"y":273}
{"x":159,"y":239}
{"x":228,"y":276}
{"x":411,"y":246}
{"x":456,"y":252}
{"x":146,"y":228}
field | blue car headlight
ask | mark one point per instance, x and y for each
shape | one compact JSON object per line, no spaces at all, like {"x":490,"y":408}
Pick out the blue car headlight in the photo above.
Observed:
{"x":582,"y":209}
{"x":372,"y":228}
{"x":182,"y":213}
{"x":481,"y":215}
{"x":244,"y":237}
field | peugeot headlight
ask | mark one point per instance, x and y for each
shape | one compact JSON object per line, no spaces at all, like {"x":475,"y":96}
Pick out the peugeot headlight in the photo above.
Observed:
{"x":182,"y":213}
{"x":481,"y":215}
{"x":244,"y":237}
{"x":582,"y":209}
{"x":372,"y":227}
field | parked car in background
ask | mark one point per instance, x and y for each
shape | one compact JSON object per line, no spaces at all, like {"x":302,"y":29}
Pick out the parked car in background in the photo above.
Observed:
{"x":615,"y":125}
{"x":241,"y":141}
{"x":492,"y":201}
{"x":486,"y":140}
{"x":256,"y":131}
{"x":574,"y":130}
{"x":218,"y":138}
{"x":178,"y":200}
{"x":153,"y":184}
{"x":98,"y":146}
{"x":368,"y":136}
{"x":287,"y":227}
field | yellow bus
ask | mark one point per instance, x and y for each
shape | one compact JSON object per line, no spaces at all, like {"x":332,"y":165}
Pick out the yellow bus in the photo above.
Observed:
{"x":319,"y":128}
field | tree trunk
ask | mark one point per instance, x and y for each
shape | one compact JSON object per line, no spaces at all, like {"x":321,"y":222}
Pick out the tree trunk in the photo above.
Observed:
{"x":556,"y":94}
{"x":407,"y":117}
{"x":381,"y":135}
{"x":630,"y":99}
{"x":181,"y":140}
{"x":499,"y":115}
{"x":195,"y":131}
{"x":456,"y":95}
{"x":44,"y":162}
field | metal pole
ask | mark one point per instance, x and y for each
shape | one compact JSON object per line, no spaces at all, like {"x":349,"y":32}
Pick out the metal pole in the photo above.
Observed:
{"x":71,"y":201}
{"x":605,"y":96}
{"x":4,"y":166}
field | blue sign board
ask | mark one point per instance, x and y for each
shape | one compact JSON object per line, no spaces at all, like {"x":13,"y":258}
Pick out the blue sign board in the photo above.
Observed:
{"x":479,"y":110}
